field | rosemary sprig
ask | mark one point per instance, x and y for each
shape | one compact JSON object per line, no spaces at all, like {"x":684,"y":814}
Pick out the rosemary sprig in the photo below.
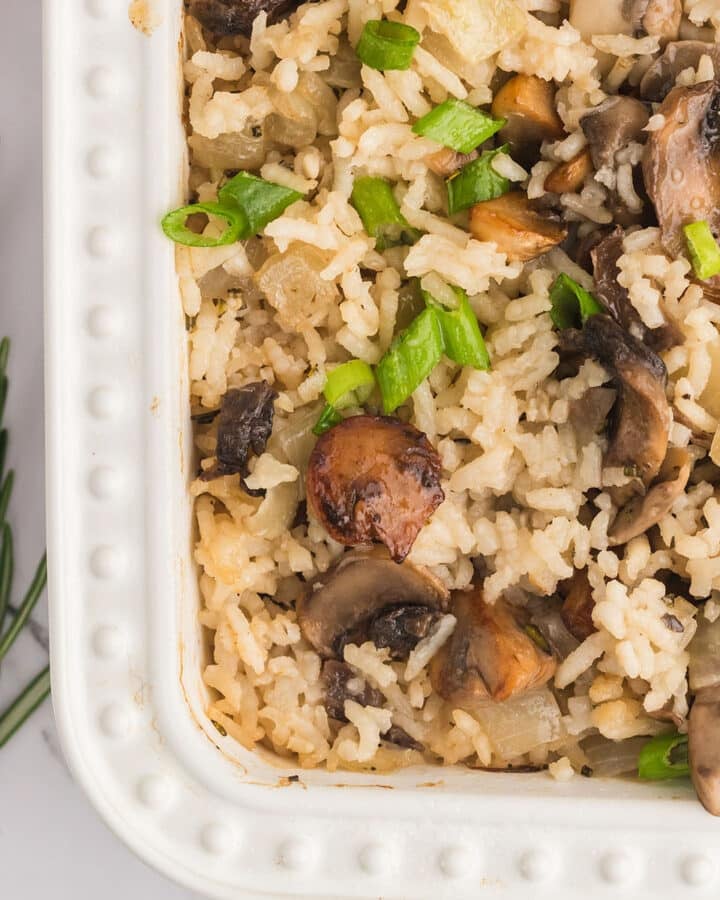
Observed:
{"x":38,"y":689}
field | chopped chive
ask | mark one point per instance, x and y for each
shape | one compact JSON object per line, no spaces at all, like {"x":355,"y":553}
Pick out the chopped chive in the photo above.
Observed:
{"x":258,"y":200}
{"x":458,"y":125}
{"x":703,"y":249}
{"x":24,"y":706}
{"x":26,"y":607}
{"x":463,"y":340}
{"x":175,"y":227}
{"x":411,"y":358}
{"x":476,"y":182}
{"x":6,"y":571}
{"x":5,"y":493}
{"x":328,"y":418}
{"x":665,"y":756}
{"x":377,"y":207}
{"x":352,"y":382}
{"x":572,"y":305}
{"x":385,"y":45}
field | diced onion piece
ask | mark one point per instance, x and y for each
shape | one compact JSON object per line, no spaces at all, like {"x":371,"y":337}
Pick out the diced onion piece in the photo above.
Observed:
{"x":476,"y":28}
{"x":458,"y":125}
{"x":522,"y":723}
{"x":385,"y":45}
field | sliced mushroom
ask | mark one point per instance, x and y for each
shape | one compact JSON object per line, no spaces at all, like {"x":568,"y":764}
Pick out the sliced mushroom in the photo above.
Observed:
{"x":528,"y":104}
{"x":578,"y":605}
{"x":641,"y":415}
{"x":704,"y":747}
{"x":345,"y":604}
{"x":374,"y":478}
{"x":517,"y":228}
{"x":447,"y":162}
{"x":643,"y":512}
{"x":570,"y":176}
{"x":611,"y":126}
{"x":489,"y":655}
{"x":588,"y":414}
{"x":237,"y":16}
{"x":340,"y":683}
{"x":659,"y":79}
{"x":681,"y":166}
{"x":616,"y":299}
{"x":244,"y":425}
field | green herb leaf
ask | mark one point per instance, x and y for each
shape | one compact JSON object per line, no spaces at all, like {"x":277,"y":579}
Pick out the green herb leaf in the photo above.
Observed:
{"x":458,"y":125}
{"x":7,"y":564}
{"x":26,"y":607}
{"x":411,"y":358}
{"x":463,"y":340}
{"x":376,"y":205}
{"x":328,"y":417}
{"x":258,"y":200}
{"x":5,"y":493}
{"x":703,"y":249}
{"x":385,"y":45}
{"x":174,"y":225}
{"x":572,"y":305}
{"x":23,"y":707}
{"x":665,"y":756}
{"x":476,"y":182}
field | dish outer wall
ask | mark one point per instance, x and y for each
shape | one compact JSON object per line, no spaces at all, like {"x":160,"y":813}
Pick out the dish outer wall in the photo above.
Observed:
{"x":126,"y":647}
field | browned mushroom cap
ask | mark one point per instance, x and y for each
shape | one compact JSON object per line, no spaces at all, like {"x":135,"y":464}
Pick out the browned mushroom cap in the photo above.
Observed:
{"x":447,"y":162}
{"x":518,"y":229}
{"x":374,"y":478}
{"x":611,"y":126}
{"x":704,"y":748}
{"x":681,"y":166}
{"x":569,"y":176}
{"x":642,"y":512}
{"x":489,"y":655}
{"x":237,"y":16}
{"x":659,"y":79}
{"x":578,"y":605}
{"x":528,"y":104}
{"x":641,"y":415}
{"x":367,"y":596}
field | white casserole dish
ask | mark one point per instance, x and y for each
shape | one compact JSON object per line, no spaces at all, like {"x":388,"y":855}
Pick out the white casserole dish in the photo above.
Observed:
{"x":126,"y":645}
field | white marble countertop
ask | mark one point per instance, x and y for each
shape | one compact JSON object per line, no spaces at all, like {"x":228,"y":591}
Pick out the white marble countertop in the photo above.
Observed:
{"x":52,"y":843}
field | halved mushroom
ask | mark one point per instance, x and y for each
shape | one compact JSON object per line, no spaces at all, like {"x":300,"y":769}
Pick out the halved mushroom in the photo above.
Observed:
{"x":367,"y":596}
{"x":681,"y":167}
{"x":569,"y":176}
{"x":528,"y":104}
{"x":641,"y":415}
{"x":642,"y":512}
{"x":611,"y":126}
{"x":447,"y":162}
{"x":237,"y":16}
{"x":374,"y":478}
{"x":578,"y":605}
{"x":659,"y":79}
{"x":518,"y":229}
{"x":704,"y":747}
{"x":489,"y":655}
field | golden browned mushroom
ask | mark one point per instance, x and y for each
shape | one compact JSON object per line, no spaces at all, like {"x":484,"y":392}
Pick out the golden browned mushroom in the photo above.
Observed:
{"x":659,"y":79}
{"x":528,"y":104}
{"x":704,"y":747}
{"x":681,"y":166}
{"x":374,"y":478}
{"x":237,"y":16}
{"x":638,"y":435}
{"x":569,"y":176}
{"x":578,"y":605}
{"x":367,"y":596}
{"x":515,"y":226}
{"x":447,"y":162}
{"x":642,"y":512}
{"x":611,"y":126}
{"x":489,"y":655}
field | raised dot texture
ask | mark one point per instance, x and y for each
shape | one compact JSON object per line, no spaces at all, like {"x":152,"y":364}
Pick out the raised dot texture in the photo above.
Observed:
{"x":97,"y":8}
{"x":217,"y":838}
{"x":106,"y":562}
{"x":100,"y":241}
{"x":104,"y":482}
{"x":374,"y":859}
{"x":698,"y":870}
{"x":114,"y":721}
{"x":101,"y":82}
{"x":104,"y":403}
{"x":108,"y":642}
{"x":154,"y":791}
{"x":537,"y":865}
{"x":296,"y":854}
{"x":617,"y":868}
{"x":102,"y":321}
{"x":100,"y":162}
{"x":455,"y":862}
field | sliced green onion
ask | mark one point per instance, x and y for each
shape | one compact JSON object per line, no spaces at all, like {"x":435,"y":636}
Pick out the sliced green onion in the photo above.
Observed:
{"x":461,"y":333}
{"x":476,"y":182}
{"x":175,"y":228}
{"x":377,"y":207}
{"x":24,"y":706}
{"x":665,"y":756}
{"x":458,"y":125}
{"x":348,"y":384}
{"x":572,"y":305}
{"x":328,"y":418}
{"x":387,"y":45}
{"x":411,"y":358}
{"x":703,"y":249}
{"x":260,"y":201}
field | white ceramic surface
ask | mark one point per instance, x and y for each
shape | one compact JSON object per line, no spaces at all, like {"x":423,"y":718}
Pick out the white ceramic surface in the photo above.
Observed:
{"x":127,"y":652}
